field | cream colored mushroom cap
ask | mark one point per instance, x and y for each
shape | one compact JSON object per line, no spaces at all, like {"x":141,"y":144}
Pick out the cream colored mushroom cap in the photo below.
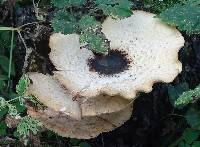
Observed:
{"x":151,"y":45}
{"x":50,"y":93}
{"x":53,"y":95}
{"x":87,"y":127}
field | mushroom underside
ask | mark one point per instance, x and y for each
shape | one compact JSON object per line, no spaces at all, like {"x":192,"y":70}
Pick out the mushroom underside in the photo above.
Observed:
{"x":86,"y":127}
{"x":53,"y":95}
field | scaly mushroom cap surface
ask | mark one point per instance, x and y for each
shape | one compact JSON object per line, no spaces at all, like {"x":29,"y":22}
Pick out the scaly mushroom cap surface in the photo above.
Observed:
{"x":149,"y":49}
{"x":87,"y":127}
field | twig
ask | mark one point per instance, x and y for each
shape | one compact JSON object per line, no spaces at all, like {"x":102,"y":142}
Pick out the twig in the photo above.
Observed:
{"x":31,"y":23}
{"x":28,"y":52}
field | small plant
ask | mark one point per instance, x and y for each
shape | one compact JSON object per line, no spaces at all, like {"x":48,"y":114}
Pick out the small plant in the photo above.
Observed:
{"x":188,"y":139}
{"x":78,"y":143}
{"x":184,"y":15}
{"x":82,"y":17}
{"x":188,"y":97}
{"x":160,"y":5}
{"x":13,"y":103}
{"x":26,"y":123}
{"x":175,"y":91}
{"x":181,"y":99}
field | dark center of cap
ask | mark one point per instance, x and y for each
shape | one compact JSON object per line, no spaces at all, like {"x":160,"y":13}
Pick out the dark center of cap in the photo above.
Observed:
{"x":112,"y":63}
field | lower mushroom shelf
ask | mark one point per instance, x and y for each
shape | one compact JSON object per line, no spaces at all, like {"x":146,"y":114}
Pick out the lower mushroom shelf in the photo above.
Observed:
{"x":85,"y":128}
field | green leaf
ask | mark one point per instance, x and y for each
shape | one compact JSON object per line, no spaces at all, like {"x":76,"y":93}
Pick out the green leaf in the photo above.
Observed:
{"x":185,"y":17}
{"x":6,"y":106}
{"x":5,"y":37}
{"x":74,"y":141}
{"x":2,"y":85}
{"x":3,"y":112}
{"x":64,"y":22}
{"x":3,"y":103}
{"x":188,"y":96}
{"x":115,"y":8}
{"x":175,"y":91}
{"x":20,"y":108}
{"x":77,"y":3}
{"x":160,"y":5}
{"x":190,"y":135}
{"x":196,"y":144}
{"x":60,"y":3}
{"x":117,"y":11}
{"x":88,"y":22}
{"x":196,"y":2}
{"x":3,"y":77}
{"x":12,"y":110}
{"x":106,"y":2}
{"x":13,"y":95}
{"x":96,"y":42}
{"x":3,"y":128}
{"x":193,"y":118}
{"x":26,"y":125}
{"x":4,"y":64}
{"x":84,"y":144}
{"x":183,"y":144}
{"x":67,"y":3}
{"x":22,"y":85}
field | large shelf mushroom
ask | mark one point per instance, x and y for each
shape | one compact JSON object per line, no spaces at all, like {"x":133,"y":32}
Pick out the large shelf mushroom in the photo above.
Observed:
{"x":86,"y":87}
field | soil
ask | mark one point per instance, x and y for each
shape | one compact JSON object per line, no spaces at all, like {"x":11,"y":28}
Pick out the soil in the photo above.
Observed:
{"x":152,"y":123}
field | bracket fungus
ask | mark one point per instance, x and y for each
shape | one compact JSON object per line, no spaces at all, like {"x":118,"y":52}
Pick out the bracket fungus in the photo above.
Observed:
{"x":90,"y":94}
{"x":87,"y":127}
